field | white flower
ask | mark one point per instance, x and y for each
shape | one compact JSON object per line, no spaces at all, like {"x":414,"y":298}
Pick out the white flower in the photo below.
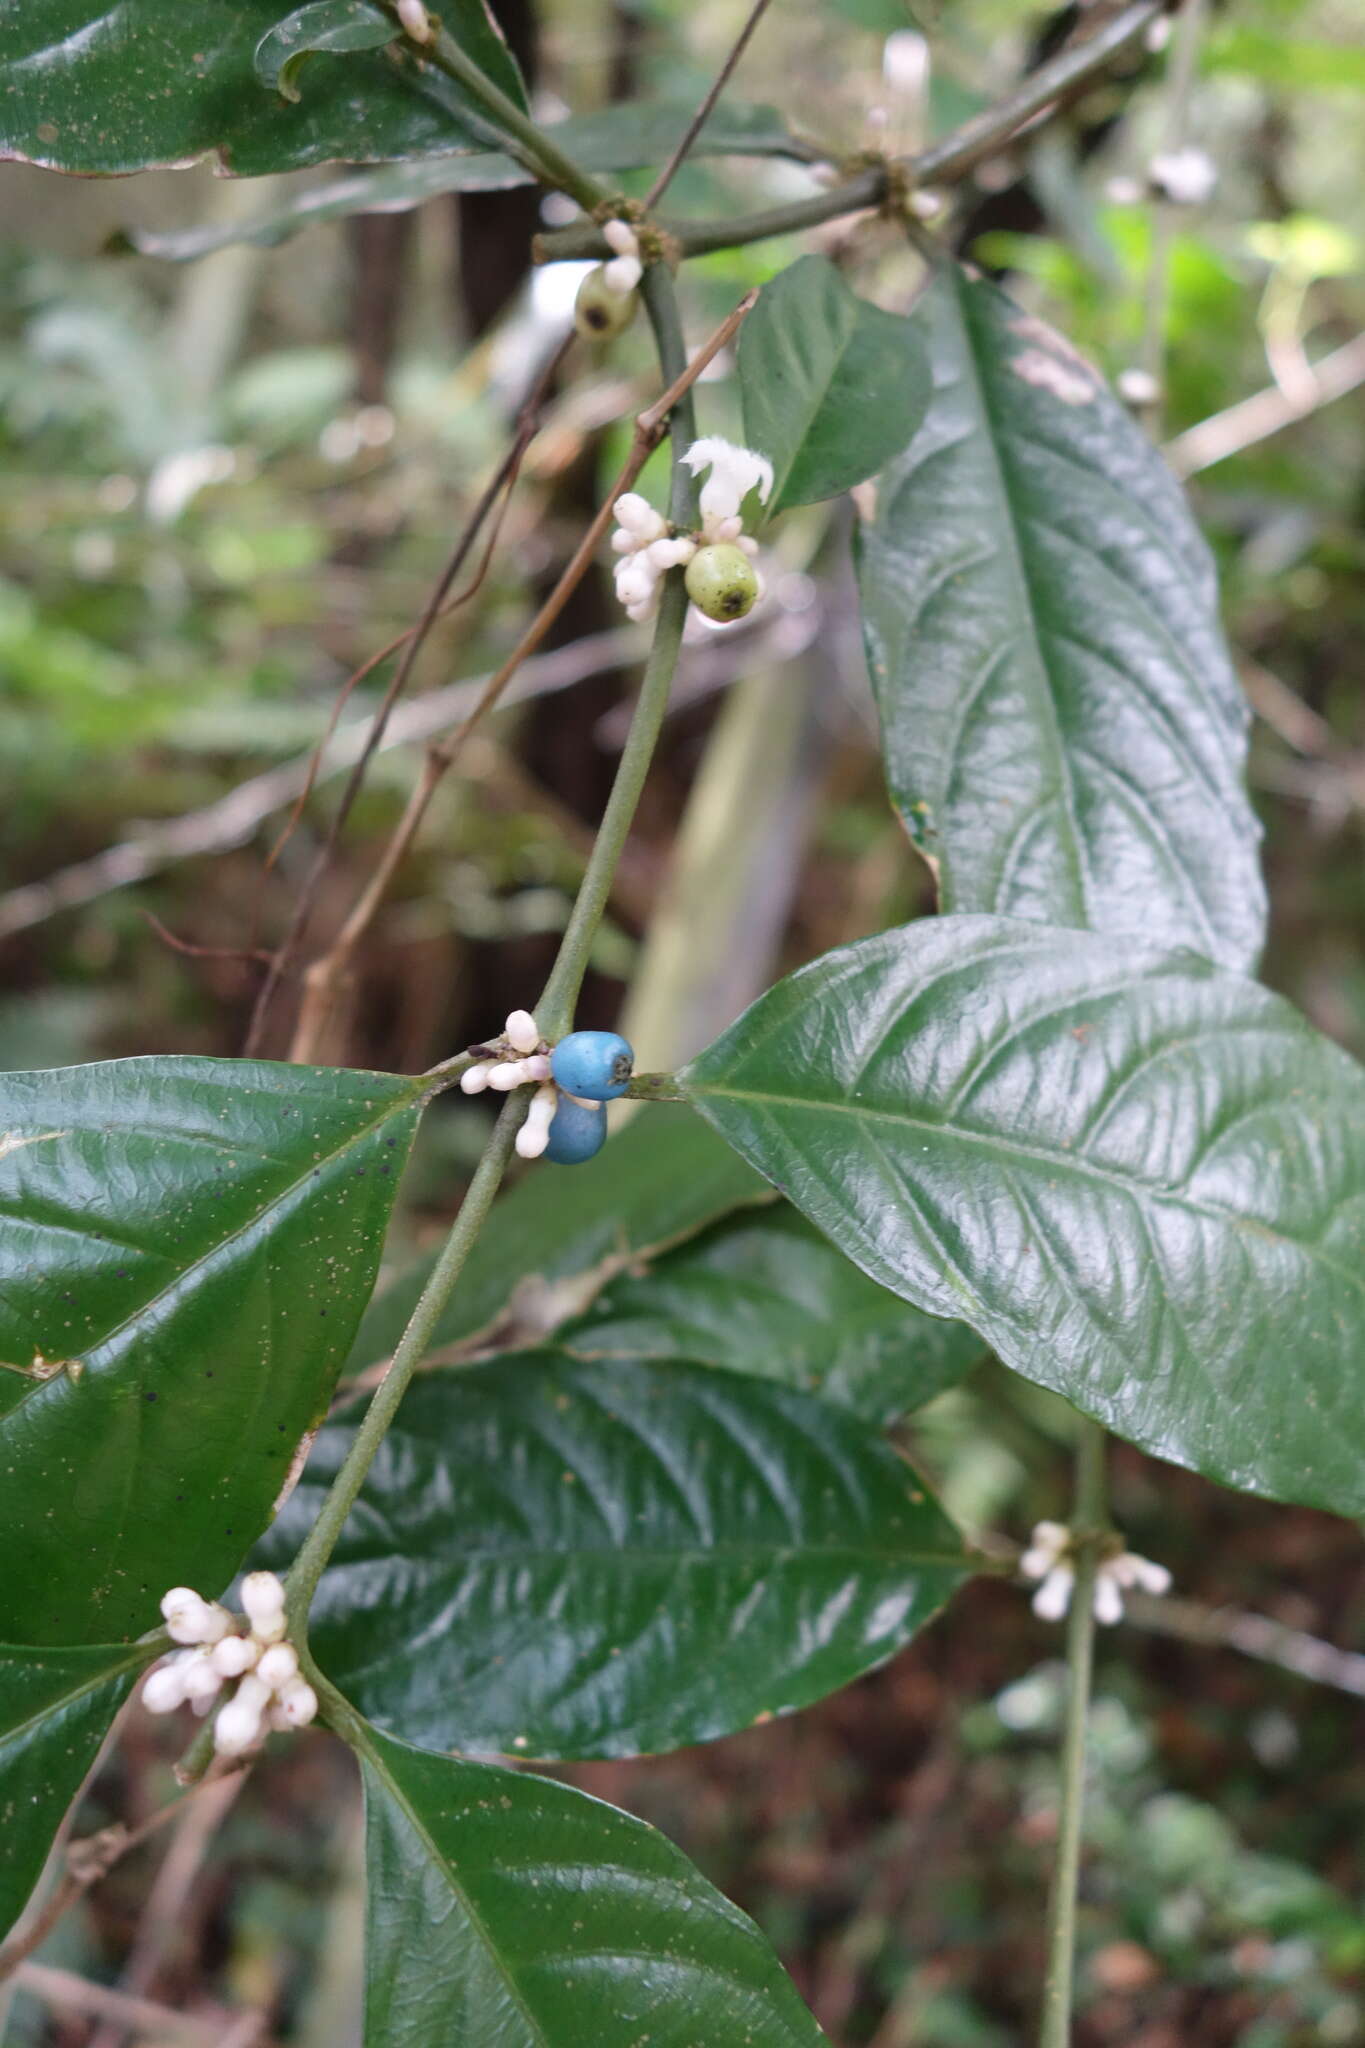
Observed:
{"x":234,"y":1655}
{"x":298,"y":1704}
{"x":1186,"y":177}
{"x":1048,"y":1559}
{"x":164,"y":1690}
{"x":621,"y":238}
{"x":474,"y":1079}
{"x":639,"y":518}
{"x":187,"y":1615}
{"x":734,"y":473}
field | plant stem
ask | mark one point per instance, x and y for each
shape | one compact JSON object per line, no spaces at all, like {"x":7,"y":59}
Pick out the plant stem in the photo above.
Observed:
{"x":1089,"y":1520}
{"x":517,"y":133}
{"x":311,"y":1561}
{"x":1043,"y":91}
{"x":561,"y":994}
{"x":554,"y":1011}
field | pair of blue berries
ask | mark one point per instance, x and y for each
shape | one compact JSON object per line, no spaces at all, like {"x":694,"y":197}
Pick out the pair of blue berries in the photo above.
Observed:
{"x":594,"y":1066}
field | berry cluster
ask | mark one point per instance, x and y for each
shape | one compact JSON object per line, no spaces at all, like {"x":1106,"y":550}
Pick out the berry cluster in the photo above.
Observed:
{"x":269,"y":1690}
{"x":722,"y":581}
{"x":567,"y":1120}
{"x":605,"y":305}
{"x":1049,"y":1559}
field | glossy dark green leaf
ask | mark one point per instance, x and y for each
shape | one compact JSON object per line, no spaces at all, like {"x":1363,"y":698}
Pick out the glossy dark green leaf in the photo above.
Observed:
{"x":1063,"y":729}
{"x":511,"y":1912}
{"x":832,"y":387}
{"x":762,"y":1292}
{"x":616,"y":139}
{"x":199,"y":1238}
{"x":560,"y":1235}
{"x":55,"y":1710}
{"x":557,"y":1557}
{"x":118,"y":85}
{"x":1140,"y":1178}
{"x":325,"y":26}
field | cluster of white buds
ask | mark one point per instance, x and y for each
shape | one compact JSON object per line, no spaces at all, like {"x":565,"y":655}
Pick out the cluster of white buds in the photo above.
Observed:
{"x":1049,"y":1559}
{"x":722,"y":581}
{"x":270,"y":1694}
{"x":1184,"y":177}
{"x":520,"y":1056}
{"x":648,"y":551}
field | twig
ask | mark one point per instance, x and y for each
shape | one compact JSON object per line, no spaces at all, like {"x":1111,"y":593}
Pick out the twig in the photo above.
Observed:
{"x":231,"y":820}
{"x":1048,"y":88}
{"x":1266,"y":412}
{"x":503,"y":477}
{"x":196,"y":1823}
{"x":330,"y":970}
{"x":1088,"y":1522}
{"x":1254,"y":1635}
{"x":704,"y":111}
{"x":66,"y":1992}
{"x":87,"y":1861}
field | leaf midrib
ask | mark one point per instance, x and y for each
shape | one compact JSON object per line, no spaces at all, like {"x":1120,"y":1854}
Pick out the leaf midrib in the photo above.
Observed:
{"x":186,"y":1275}
{"x":1066,"y":1162}
{"x":130,"y":1658}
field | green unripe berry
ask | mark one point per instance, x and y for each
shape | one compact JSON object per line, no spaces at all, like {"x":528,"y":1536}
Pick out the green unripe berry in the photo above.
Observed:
{"x":722,"y":582}
{"x":599,"y":313}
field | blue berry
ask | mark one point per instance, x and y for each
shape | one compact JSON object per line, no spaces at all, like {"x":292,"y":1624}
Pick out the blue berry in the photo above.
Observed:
{"x":578,"y":1132}
{"x":594,"y":1064}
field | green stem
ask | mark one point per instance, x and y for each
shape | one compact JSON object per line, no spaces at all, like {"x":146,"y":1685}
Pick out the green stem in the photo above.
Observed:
{"x":413,"y":1345}
{"x":555,"y":1010}
{"x":1089,"y":1530}
{"x":943,"y":163}
{"x":517,"y":133}
{"x":557,"y":1004}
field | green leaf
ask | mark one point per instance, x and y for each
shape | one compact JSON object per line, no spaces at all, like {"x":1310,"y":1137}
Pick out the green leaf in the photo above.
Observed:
{"x":554,"y":1557}
{"x":512,"y":1912}
{"x":616,"y":139}
{"x":197,"y":1238}
{"x":121,"y":85}
{"x":763,"y":1293}
{"x":335,"y":26}
{"x":831,"y":386}
{"x":550,"y":1245}
{"x":1063,"y":730}
{"x":56,"y":1707}
{"x":1142,"y":1180}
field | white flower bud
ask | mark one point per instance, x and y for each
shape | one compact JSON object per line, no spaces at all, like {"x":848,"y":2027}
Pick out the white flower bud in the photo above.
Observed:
{"x":1186,"y":177}
{"x":505,"y":1076}
{"x":298,"y":1703}
{"x":723,"y":530}
{"x":415,"y":21}
{"x":234,"y":1655}
{"x":621,"y":238}
{"x":521,"y":1031}
{"x":1053,"y":1597}
{"x":474,"y":1079}
{"x":272,"y":1629}
{"x":236,"y":1727}
{"x":622,"y":274}
{"x":1107,"y":1599}
{"x":747,"y":542}
{"x":1137,"y":387}
{"x":638,"y":516}
{"x":534,"y":1134}
{"x":262,"y":1596}
{"x":186,"y":1615}
{"x":639,"y":613}
{"x":623,"y":542}
{"x":216,"y":1623}
{"x":671,"y":552}
{"x":164,"y":1689}
{"x":537,"y":1067}
{"x":634,"y":581}
{"x":278,"y":1665}
{"x":202,"y":1683}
